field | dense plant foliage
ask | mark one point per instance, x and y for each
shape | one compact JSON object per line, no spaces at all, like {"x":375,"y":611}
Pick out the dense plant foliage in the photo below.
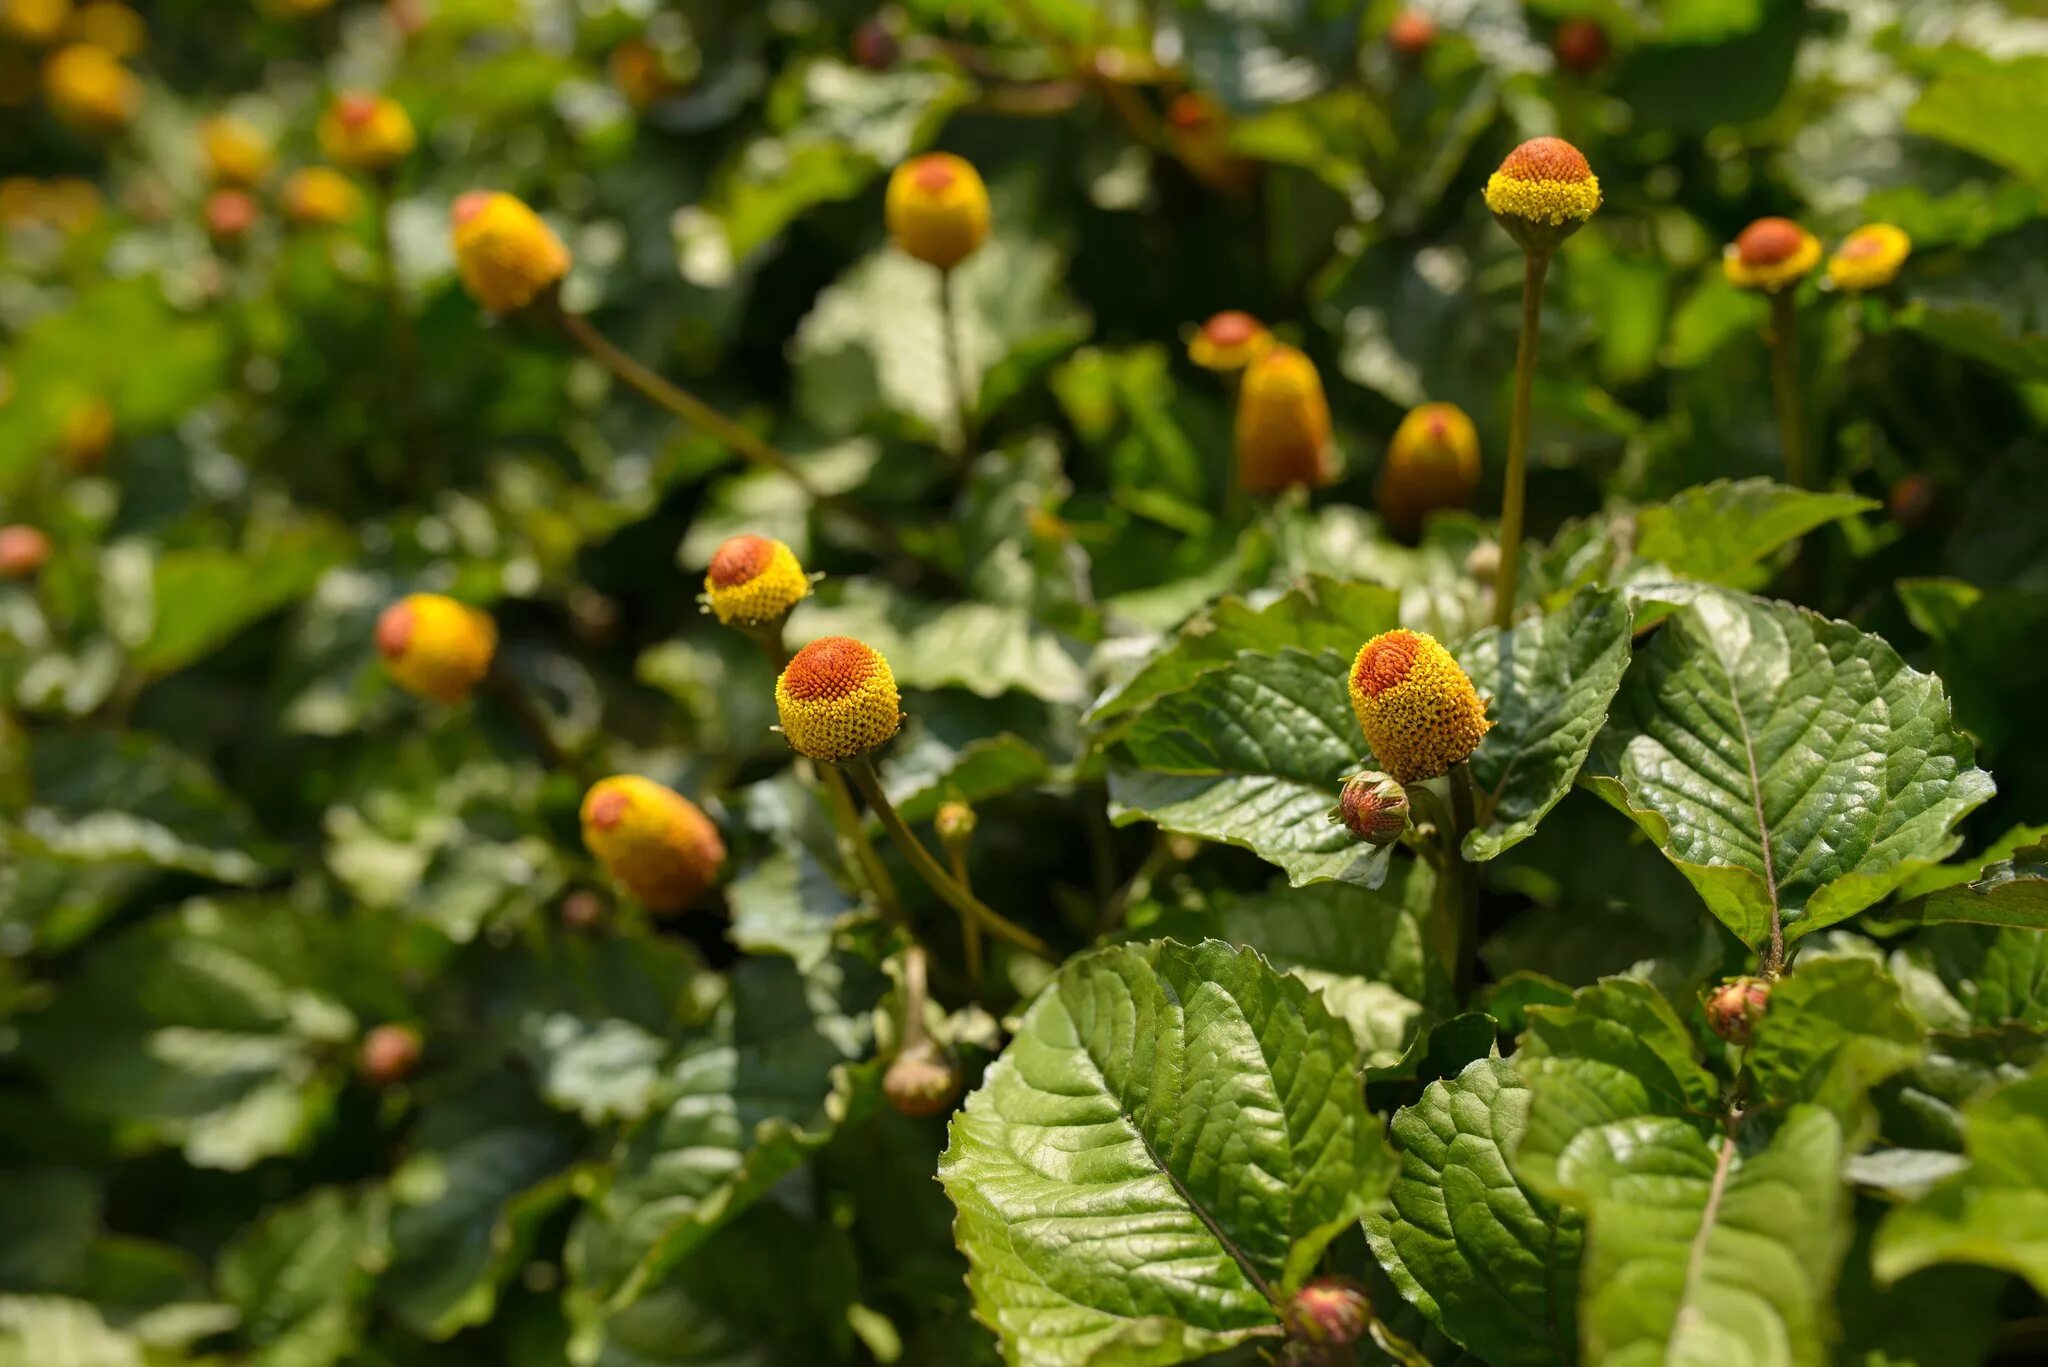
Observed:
{"x":1023,"y":681}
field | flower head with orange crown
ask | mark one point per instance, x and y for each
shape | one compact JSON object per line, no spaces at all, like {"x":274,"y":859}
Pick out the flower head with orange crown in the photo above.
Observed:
{"x":654,"y":842}
{"x":1411,"y":33}
{"x":1432,"y":463}
{"x":753,"y":581}
{"x":23,"y":551}
{"x":321,"y":197}
{"x":1543,"y":193}
{"x":367,"y":132}
{"x":937,"y":209}
{"x":1869,"y":258}
{"x":504,"y":253}
{"x":436,"y":647}
{"x":229,"y":215}
{"x":89,"y":88}
{"x":1418,"y":709}
{"x":1770,"y":254}
{"x":837,"y":700}
{"x":236,"y":153}
{"x":1229,"y":341}
{"x":1283,"y":424}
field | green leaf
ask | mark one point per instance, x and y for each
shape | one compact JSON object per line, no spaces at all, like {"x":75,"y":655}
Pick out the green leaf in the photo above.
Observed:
{"x":1252,"y":756}
{"x":205,"y":595}
{"x":1988,"y":107}
{"x":1835,"y":1028}
{"x":989,"y":649}
{"x":1491,"y":1263}
{"x":1725,"y":532}
{"x":301,"y":1277}
{"x":1549,"y":682}
{"x":1785,"y":763}
{"x":1187,"y":1098}
{"x":2012,"y":892}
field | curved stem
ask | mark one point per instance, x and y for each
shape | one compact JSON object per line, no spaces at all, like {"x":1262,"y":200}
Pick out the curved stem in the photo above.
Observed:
{"x":1785,"y":388}
{"x":1515,"y":492}
{"x":862,"y":772}
{"x":970,"y":932}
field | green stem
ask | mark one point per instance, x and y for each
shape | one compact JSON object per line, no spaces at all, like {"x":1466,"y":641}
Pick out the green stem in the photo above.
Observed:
{"x":949,"y":323}
{"x":862,"y":772}
{"x":970,"y":933}
{"x":1459,"y":888}
{"x":1785,"y":388}
{"x":1515,"y":492}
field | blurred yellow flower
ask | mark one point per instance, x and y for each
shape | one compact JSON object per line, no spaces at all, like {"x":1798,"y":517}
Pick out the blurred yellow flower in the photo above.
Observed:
{"x":1432,"y":463}
{"x":86,"y":435}
{"x":33,"y":21}
{"x":321,"y":197}
{"x":1283,"y":424}
{"x":1770,"y":254}
{"x":1869,"y":258}
{"x":89,"y":88}
{"x":504,"y":253}
{"x":365,"y":131}
{"x":657,"y":844}
{"x":1230,"y":340}
{"x":116,"y":28}
{"x":436,"y":647}
{"x":235,"y":152}
{"x":937,"y":209}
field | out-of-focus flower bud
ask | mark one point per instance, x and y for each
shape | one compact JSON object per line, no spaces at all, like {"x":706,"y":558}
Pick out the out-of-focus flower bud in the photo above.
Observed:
{"x":1543,"y":193}
{"x":641,"y":73}
{"x":1411,"y":33}
{"x":504,"y":253}
{"x":1230,"y":340}
{"x":116,"y":28}
{"x":874,"y":47}
{"x":754,"y":581}
{"x":87,"y":435}
{"x":1373,"y":807}
{"x":1331,"y":1310}
{"x":1283,"y":424}
{"x":436,"y":647}
{"x":229,"y":215}
{"x":1432,"y":464}
{"x":1580,"y":45}
{"x":89,"y":88}
{"x":33,"y":21}
{"x":954,"y":823}
{"x":236,"y":153}
{"x":922,"y":1081}
{"x":1418,"y":709}
{"x":1912,"y":499}
{"x":366,"y":132}
{"x":1198,"y":130}
{"x":937,"y":209}
{"x":582,"y":910}
{"x":24,"y":551}
{"x":656,"y":843}
{"x":838,"y":700}
{"x":1770,"y":254}
{"x":1734,"y":1008}
{"x":321,"y":197}
{"x":1869,"y":258}
{"x":389,"y":1055}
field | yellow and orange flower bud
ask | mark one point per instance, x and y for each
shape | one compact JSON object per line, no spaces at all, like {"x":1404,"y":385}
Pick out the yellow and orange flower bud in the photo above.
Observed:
{"x":1230,"y":340}
{"x":937,"y":209}
{"x":654,"y":842}
{"x":389,"y":1055}
{"x":754,"y":580}
{"x":1418,"y":709}
{"x":1869,"y":258}
{"x":321,"y":197}
{"x":1283,"y":424}
{"x":921,"y":1081}
{"x":33,"y":21}
{"x":1770,"y":254}
{"x":89,"y":88}
{"x":1330,"y":1310}
{"x":235,"y":153}
{"x":1432,"y":463}
{"x":229,"y":215}
{"x":1411,"y":33}
{"x":87,"y":435}
{"x":365,"y":131}
{"x":116,"y":28}
{"x":837,"y":700}
{"x":504,"y":253}
{"x":23,"y":551}
{"x":436,"y":647}
{"x":1543,"y":192}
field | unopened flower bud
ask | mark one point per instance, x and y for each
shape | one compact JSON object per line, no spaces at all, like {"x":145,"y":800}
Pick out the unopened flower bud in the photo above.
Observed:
{"x":937,"y":209}
{"x":1770,"y":254}
{"x":504,"y":253}
{"x":1543,"y":193}
{"x":389,"y":1055}
{"x":874,"y":47}
{"x":1330,"y":1310}
{"x":236,"y":154}
{"x":229,"y":214}
{"x":1869,"y":258}
{"x":1418,"y":709}
{"x":1283,"y":424}
{"x":436,"y":647}
{"x":753,"y":581}
{"x":367,"y":132}
{"x":1734,"y":1008}
{"x":641,"y":72}
{"x":24,"y":551}
{"x":1198,"y":127}
{"x":89,"y":88}
{"x":321,"y":197}
{"x":1580,"y":45}
{"x":1373,"y":807}
{"x":1912,"y":499}
{"x":33,"y":21}
{"x":656,"y":843}
{"x":954,"y":823}
{"x":1230,"y":340}
{"x":837,"y":700}
{"x":1411,"y":33}
{"x":1432,"y":464}
{"x":582,"y":910}
{"x":922,"y":1081}
{"x":87,"y":435}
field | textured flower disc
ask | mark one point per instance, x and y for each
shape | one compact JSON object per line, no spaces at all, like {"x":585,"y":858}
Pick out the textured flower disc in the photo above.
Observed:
{"x":366,"y":132}
{"x":1869,"y":258}
{"x":655,"y":842}
{"x":754,"y":580}
{"x":1283,"y":424}
{"x":1770,"y":254}
{"x":1544,"y":181}
{"x":504,"y":253}
{"x":1432,"y":463}
{"x":937,"y":209}
{"x":436,"y":647}
{"x":838,"y":699}
{"x":1418,"y":709}
{"x":1230,"y":340}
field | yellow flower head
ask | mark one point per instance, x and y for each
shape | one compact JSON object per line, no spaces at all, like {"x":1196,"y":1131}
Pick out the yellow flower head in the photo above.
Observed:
{"x":1770,"y":254}
{"x":656,"y":843}
{"x":87,"y":435}
{"x":321,"y":197}
{"x":1543,"y":192}
{"x":937,"y":209}
{"x":229,"y":214}
{"x":23,"y":551}
{"x":234,"y":152}
{"x":436,"y":647}
{"x":754,"y":580}
{"x":1869,"y":258}
{"x":838,"y":699}
{"x":33,"y":21}
{"x":505,"y":254}
{"x":88,"y":87}
{"x":365,"y":131}
{"x":1419,"y":711}
{"x":1283,"y":424}
{"x":1432,"y":463}
{"x":1230,"y":340}
{"x":116,"y":28}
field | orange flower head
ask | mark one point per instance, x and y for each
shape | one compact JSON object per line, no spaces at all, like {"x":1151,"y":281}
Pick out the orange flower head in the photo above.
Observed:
{"x":236,"y":153}
{"x":87,"y":435}
{"x":321,"y":197}
{"x":1869,"y":258}
{"x":229,"y":215}
{"x":389,"y":1055}
{"x":89,"y":88}
{"x":1432,"y":463}
{"x":23,"y":551}
{"x":1543,"y":192}
{"x":506,"y":255}
{"x":1283,"y":424}
{"x":1418,"y":709}
{"x":1734,"y":1008}
{"x":1580,"y":45}
{"x":366,"y":132}
{"x":1770,"y":254}
{"x":937,"y":209}
{"x":436,"y":647}
{"x":754,"y":580}
{"x":837,"y":700}
{"x":1411,"y":33}
{"x":654,"y":842}
{"x":1230,"y":340}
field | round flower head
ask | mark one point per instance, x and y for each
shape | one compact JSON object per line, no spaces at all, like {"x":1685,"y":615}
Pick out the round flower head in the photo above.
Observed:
{"x":87,"y":435}
{"x":1543,"y":192}
{"x":1230,"y":340}
{"x":389,"y":1055}
{"x":235,"y":153}
{"x":1411,"y":33}
{"x":1770,"y":254}
{"x":23,"y":551}
{"x":365,"y":131}
{"x":1734,"y":1008}
{"x":88,"y":87}
{"x":1869,"y":258}
{"x":229,"y":214}
{"x":436,"y":647}
{"x":116,"y":28}
{"x":1580,"y":45}
{"x":921,"y":1081}
{"x":1373,"y":807}
{"x":1330,"y":1310}
{"x":1283,"y":424}
{"x":656,"y":843}
{"x":754,"y":580}
{"x":937,"y":209}
{"x":321,"y":197}
{"x":504,"y":253}
{"x":33,"y":21}
{"x":838,"y":700}
{"x":1418,"y":709}
{"x":1432,"y":463}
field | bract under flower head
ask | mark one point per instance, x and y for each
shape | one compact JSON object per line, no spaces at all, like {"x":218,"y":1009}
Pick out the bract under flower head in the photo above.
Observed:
{"x":837,"y":700}
{"x":1418,"y":709}
{"x":754,"y":580}
{"x":1869,"y":258}
{"x":1770,"y":254}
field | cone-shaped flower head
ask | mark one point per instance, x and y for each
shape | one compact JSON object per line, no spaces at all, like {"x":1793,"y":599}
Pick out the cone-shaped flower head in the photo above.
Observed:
{"x":1770,"y":254}
{"x":33,"y":21}
{"x":229,"y":215}
{"x":654,"y":841}
{"x":1734,"y":1008}
{"x":838,"y":699}
{"x":87,"y":435}
{"x":754,"y":580}
{"x":1230,"y":340}
{"x":921,"y":1081}
{"x":235,"y":153}
{"x":436,"y":647}
{"x":1543,"y":193}
{"x":1418,"y":709}
{"x":321,"y":197}
{"x":1432,"y":463}
{"x":23,"y":551}
{"x":505,"y":254}
{"x":89,"y":88}
{"x":115,"y":27}
{"x":937,"y":209}
{"x":1332,"y":1310}
{"x":365,"y":131}
{"x":1411,"y":33}
{"x":1283,"y":424}
{"x":1869,"y":258}
{"x":389,"y":1055}
{"x":1373,"y":807}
